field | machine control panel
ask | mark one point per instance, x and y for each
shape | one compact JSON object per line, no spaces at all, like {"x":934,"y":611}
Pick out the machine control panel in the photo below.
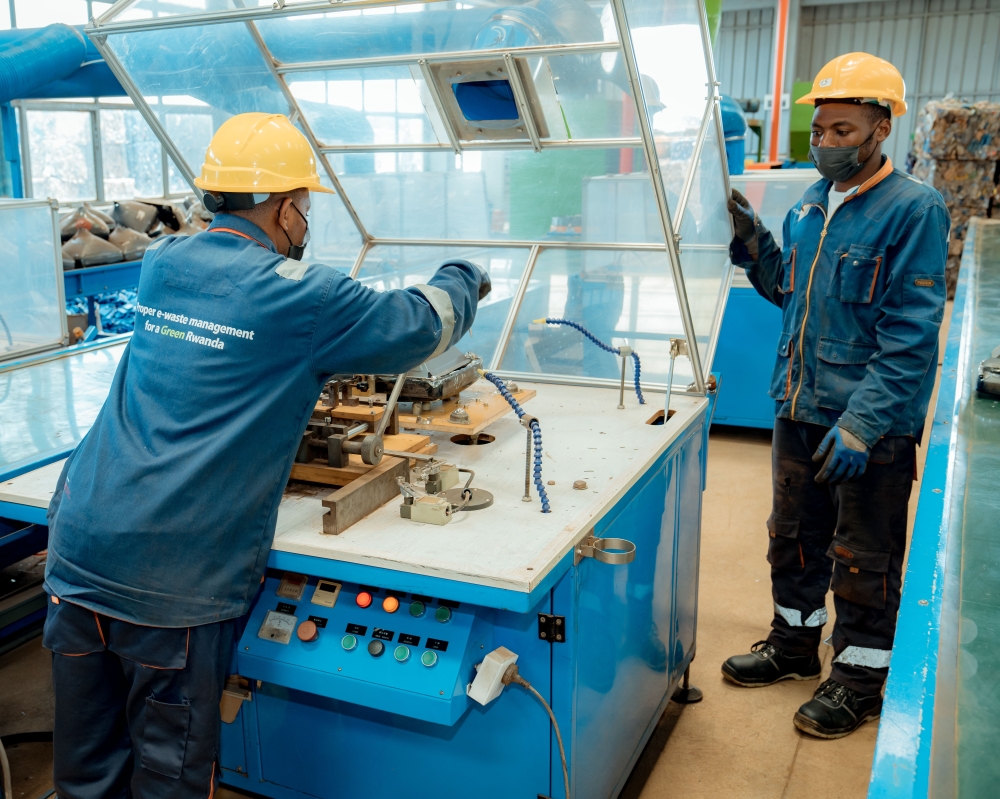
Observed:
{"x":361,"y":643}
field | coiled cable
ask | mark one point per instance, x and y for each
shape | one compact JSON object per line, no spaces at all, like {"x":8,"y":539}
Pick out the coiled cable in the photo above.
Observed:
{"x":606,"y":347}
{"x":536,"y":435}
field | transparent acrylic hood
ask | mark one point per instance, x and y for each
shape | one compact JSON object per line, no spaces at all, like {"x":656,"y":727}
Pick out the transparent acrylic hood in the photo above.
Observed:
{"x":519,"y":136}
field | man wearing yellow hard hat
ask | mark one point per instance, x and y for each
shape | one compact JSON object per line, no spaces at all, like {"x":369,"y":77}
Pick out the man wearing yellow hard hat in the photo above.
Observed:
{"x":163,"y":518}
{"x":860,"y":281}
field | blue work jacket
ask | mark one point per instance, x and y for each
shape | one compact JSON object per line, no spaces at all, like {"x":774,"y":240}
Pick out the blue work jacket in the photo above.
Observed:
{"x":165,"y":512}
{"x":862,"y":294}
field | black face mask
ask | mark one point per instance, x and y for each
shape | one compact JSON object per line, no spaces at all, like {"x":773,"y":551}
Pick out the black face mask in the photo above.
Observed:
{"x":839,"y":164}
{"x":296,"y":251}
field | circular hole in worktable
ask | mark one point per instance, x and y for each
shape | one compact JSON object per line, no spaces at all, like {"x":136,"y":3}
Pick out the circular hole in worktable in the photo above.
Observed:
{"x":467,"y":440}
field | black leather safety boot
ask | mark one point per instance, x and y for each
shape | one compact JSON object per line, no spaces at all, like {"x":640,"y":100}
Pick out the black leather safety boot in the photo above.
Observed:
{"x":766,"y":665}
{"x":836,"y":711}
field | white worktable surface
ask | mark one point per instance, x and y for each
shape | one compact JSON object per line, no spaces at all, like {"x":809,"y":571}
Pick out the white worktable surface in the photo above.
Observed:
{"x":511,"y":545}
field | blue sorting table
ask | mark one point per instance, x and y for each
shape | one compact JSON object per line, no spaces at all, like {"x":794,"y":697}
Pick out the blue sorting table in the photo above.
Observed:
{"x":941,"y":721}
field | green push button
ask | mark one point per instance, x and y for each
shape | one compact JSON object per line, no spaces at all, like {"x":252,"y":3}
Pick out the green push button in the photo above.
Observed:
{"x":429,"y":658}
{"x":402,"y":653}
{"x":442,"y":614}
{"x":349,"y":642}
{"x":417,"y":609}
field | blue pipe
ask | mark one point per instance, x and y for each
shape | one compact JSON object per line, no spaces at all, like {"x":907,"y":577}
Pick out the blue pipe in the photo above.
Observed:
{"x":37,"y":57}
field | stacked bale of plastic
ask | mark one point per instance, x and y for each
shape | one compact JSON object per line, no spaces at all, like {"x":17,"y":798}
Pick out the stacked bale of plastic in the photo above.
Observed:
{"x":956,"y":149}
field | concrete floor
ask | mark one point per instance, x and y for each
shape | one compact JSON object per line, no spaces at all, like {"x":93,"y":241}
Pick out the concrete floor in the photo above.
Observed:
{"x":736,"y":743}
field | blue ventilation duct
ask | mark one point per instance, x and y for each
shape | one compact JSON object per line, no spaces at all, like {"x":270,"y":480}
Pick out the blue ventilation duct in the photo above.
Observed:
{"x":31,"y":59}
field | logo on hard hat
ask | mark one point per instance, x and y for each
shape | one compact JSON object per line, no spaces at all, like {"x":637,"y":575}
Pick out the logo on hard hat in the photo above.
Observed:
{"x":825,"y":82}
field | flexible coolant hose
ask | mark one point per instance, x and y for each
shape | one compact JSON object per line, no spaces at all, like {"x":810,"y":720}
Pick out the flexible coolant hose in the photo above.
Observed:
{"x":536,"y":434}
{"x":603,"y":346}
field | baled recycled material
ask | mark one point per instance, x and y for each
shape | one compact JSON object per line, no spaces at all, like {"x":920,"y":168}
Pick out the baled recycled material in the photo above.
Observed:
{"x":165,"y":513}
{"x":966,"y":184}
{"x":956,"y":130}
{"x":862,"y":299}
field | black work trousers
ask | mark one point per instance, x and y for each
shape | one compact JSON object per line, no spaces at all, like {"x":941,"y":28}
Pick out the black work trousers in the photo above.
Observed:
{"x":855,"y":533}
{"x":137,"y":708}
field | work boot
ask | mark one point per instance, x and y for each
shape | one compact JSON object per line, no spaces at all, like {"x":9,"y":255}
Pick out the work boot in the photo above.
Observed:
{"x":836,"y":711}
{"x":766,"y":665}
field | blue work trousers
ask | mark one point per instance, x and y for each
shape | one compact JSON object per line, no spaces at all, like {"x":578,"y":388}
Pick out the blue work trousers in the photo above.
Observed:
{"x":854,"y":533}
{"x":137,"y":708}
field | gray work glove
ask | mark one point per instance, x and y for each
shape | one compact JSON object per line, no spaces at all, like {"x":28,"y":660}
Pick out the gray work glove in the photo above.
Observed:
{"x":745,"y":222}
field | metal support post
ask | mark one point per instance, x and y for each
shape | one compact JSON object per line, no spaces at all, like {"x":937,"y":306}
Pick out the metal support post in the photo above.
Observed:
{"x":515,"y":306}
{"x":659,"y":192}
{"x":621,"y":390}
{"x":527,"y":470}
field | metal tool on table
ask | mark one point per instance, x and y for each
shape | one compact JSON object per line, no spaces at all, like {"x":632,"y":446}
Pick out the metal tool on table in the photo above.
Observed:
{"x":988,"y":380}
{"x":343,"y":439}
{"x":678,"y":346}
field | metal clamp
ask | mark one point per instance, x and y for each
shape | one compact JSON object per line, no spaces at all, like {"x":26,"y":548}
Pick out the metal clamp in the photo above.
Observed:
{"x":613,"y":551}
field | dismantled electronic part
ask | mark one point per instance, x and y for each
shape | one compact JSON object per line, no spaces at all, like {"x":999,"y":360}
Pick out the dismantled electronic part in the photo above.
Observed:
{"x":988,"y":381}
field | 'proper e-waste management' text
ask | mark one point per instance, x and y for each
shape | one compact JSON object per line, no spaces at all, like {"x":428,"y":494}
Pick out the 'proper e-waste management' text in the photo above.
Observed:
{"x":164,"y":321}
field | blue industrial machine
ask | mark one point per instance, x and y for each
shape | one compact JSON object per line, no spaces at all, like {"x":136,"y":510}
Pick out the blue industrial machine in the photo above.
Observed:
{"x":526,"y":636}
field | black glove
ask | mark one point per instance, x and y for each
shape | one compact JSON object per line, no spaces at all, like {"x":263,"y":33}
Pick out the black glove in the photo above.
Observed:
{"x":485,"y":285}
{"x":745,"y":222}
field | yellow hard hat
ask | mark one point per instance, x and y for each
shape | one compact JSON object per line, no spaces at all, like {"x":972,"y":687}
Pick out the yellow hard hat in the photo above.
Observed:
{"x":256,"y":153}
{"x":859,"y":76}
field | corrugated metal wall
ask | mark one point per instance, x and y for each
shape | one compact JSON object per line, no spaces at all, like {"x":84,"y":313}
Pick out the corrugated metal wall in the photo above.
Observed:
{"x":940,"y":46}
{"x":743,"y":56}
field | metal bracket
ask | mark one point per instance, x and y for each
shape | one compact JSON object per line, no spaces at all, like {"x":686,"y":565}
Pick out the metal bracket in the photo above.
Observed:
{"x":552,"y":628}
{"x":613,"y":551}
{"x":679,"y":346}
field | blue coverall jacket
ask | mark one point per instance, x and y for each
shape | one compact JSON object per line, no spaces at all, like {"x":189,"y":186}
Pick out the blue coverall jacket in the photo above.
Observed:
{"x":165,"y":513}
{"x":862,"y":295}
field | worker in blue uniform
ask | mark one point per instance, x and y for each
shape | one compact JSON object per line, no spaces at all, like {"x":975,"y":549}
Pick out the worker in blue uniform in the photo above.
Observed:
{"x":163,"y":517}
{"x":860,"y":282}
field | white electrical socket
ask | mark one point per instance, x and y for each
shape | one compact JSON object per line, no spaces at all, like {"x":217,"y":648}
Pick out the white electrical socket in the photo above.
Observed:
{"x":488,"y":683}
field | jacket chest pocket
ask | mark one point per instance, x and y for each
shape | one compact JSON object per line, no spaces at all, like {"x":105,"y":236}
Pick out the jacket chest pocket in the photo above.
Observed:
{"x":856,"y":274}
{"x":788,"y":272}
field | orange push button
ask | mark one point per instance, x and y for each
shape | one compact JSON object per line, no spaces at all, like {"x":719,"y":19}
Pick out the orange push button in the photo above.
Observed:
{"x":307,"y":631}
{"x":390,"y":604}
{"x":364,"y":599}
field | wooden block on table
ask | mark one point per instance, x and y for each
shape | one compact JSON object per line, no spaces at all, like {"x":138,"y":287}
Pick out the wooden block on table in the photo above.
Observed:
{"x":356,"y":413}
{"x":365,"y":495}
{"x":482,"y":414}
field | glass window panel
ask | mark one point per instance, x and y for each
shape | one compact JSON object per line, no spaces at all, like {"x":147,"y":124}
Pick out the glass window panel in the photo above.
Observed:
{"x":426,"y":28}
{"x":619,"y":296}
{"x":668,"y":44}
{"x":62,"y":155}
{"x":393,"y":267}
{"x":333,"y":237}
{"x":363,"y":106}
{"x":480,"y":194}
{"x":200,"y":76}
{"x":133,"y":165}
{"x":621,"y":208}
{"x":30,"y":310}
{"x":706,"y":225}
{"x":595,"y":103}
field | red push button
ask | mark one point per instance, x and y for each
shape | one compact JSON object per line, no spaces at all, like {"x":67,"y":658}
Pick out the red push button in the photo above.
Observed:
{"x":364,"y":599}
{"x":307,"y":631}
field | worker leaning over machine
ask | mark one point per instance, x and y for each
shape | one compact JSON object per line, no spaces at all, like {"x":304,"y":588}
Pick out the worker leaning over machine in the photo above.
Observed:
{"x":861,"y":286}
{"x":162,"y":520}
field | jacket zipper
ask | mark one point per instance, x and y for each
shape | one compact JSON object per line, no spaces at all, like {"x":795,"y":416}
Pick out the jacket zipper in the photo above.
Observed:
{"x":805,"y":316}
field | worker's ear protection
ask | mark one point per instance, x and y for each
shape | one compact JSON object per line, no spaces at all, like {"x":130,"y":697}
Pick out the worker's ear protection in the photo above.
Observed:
{"x":232,"y":201}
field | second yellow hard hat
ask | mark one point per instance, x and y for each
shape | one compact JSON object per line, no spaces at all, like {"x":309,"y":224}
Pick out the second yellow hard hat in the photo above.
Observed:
{"x":258,"y":153}
{"x":859,"y":76}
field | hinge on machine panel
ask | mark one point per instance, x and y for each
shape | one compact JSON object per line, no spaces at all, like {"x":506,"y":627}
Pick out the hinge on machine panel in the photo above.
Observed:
{"x":552,"y":628}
